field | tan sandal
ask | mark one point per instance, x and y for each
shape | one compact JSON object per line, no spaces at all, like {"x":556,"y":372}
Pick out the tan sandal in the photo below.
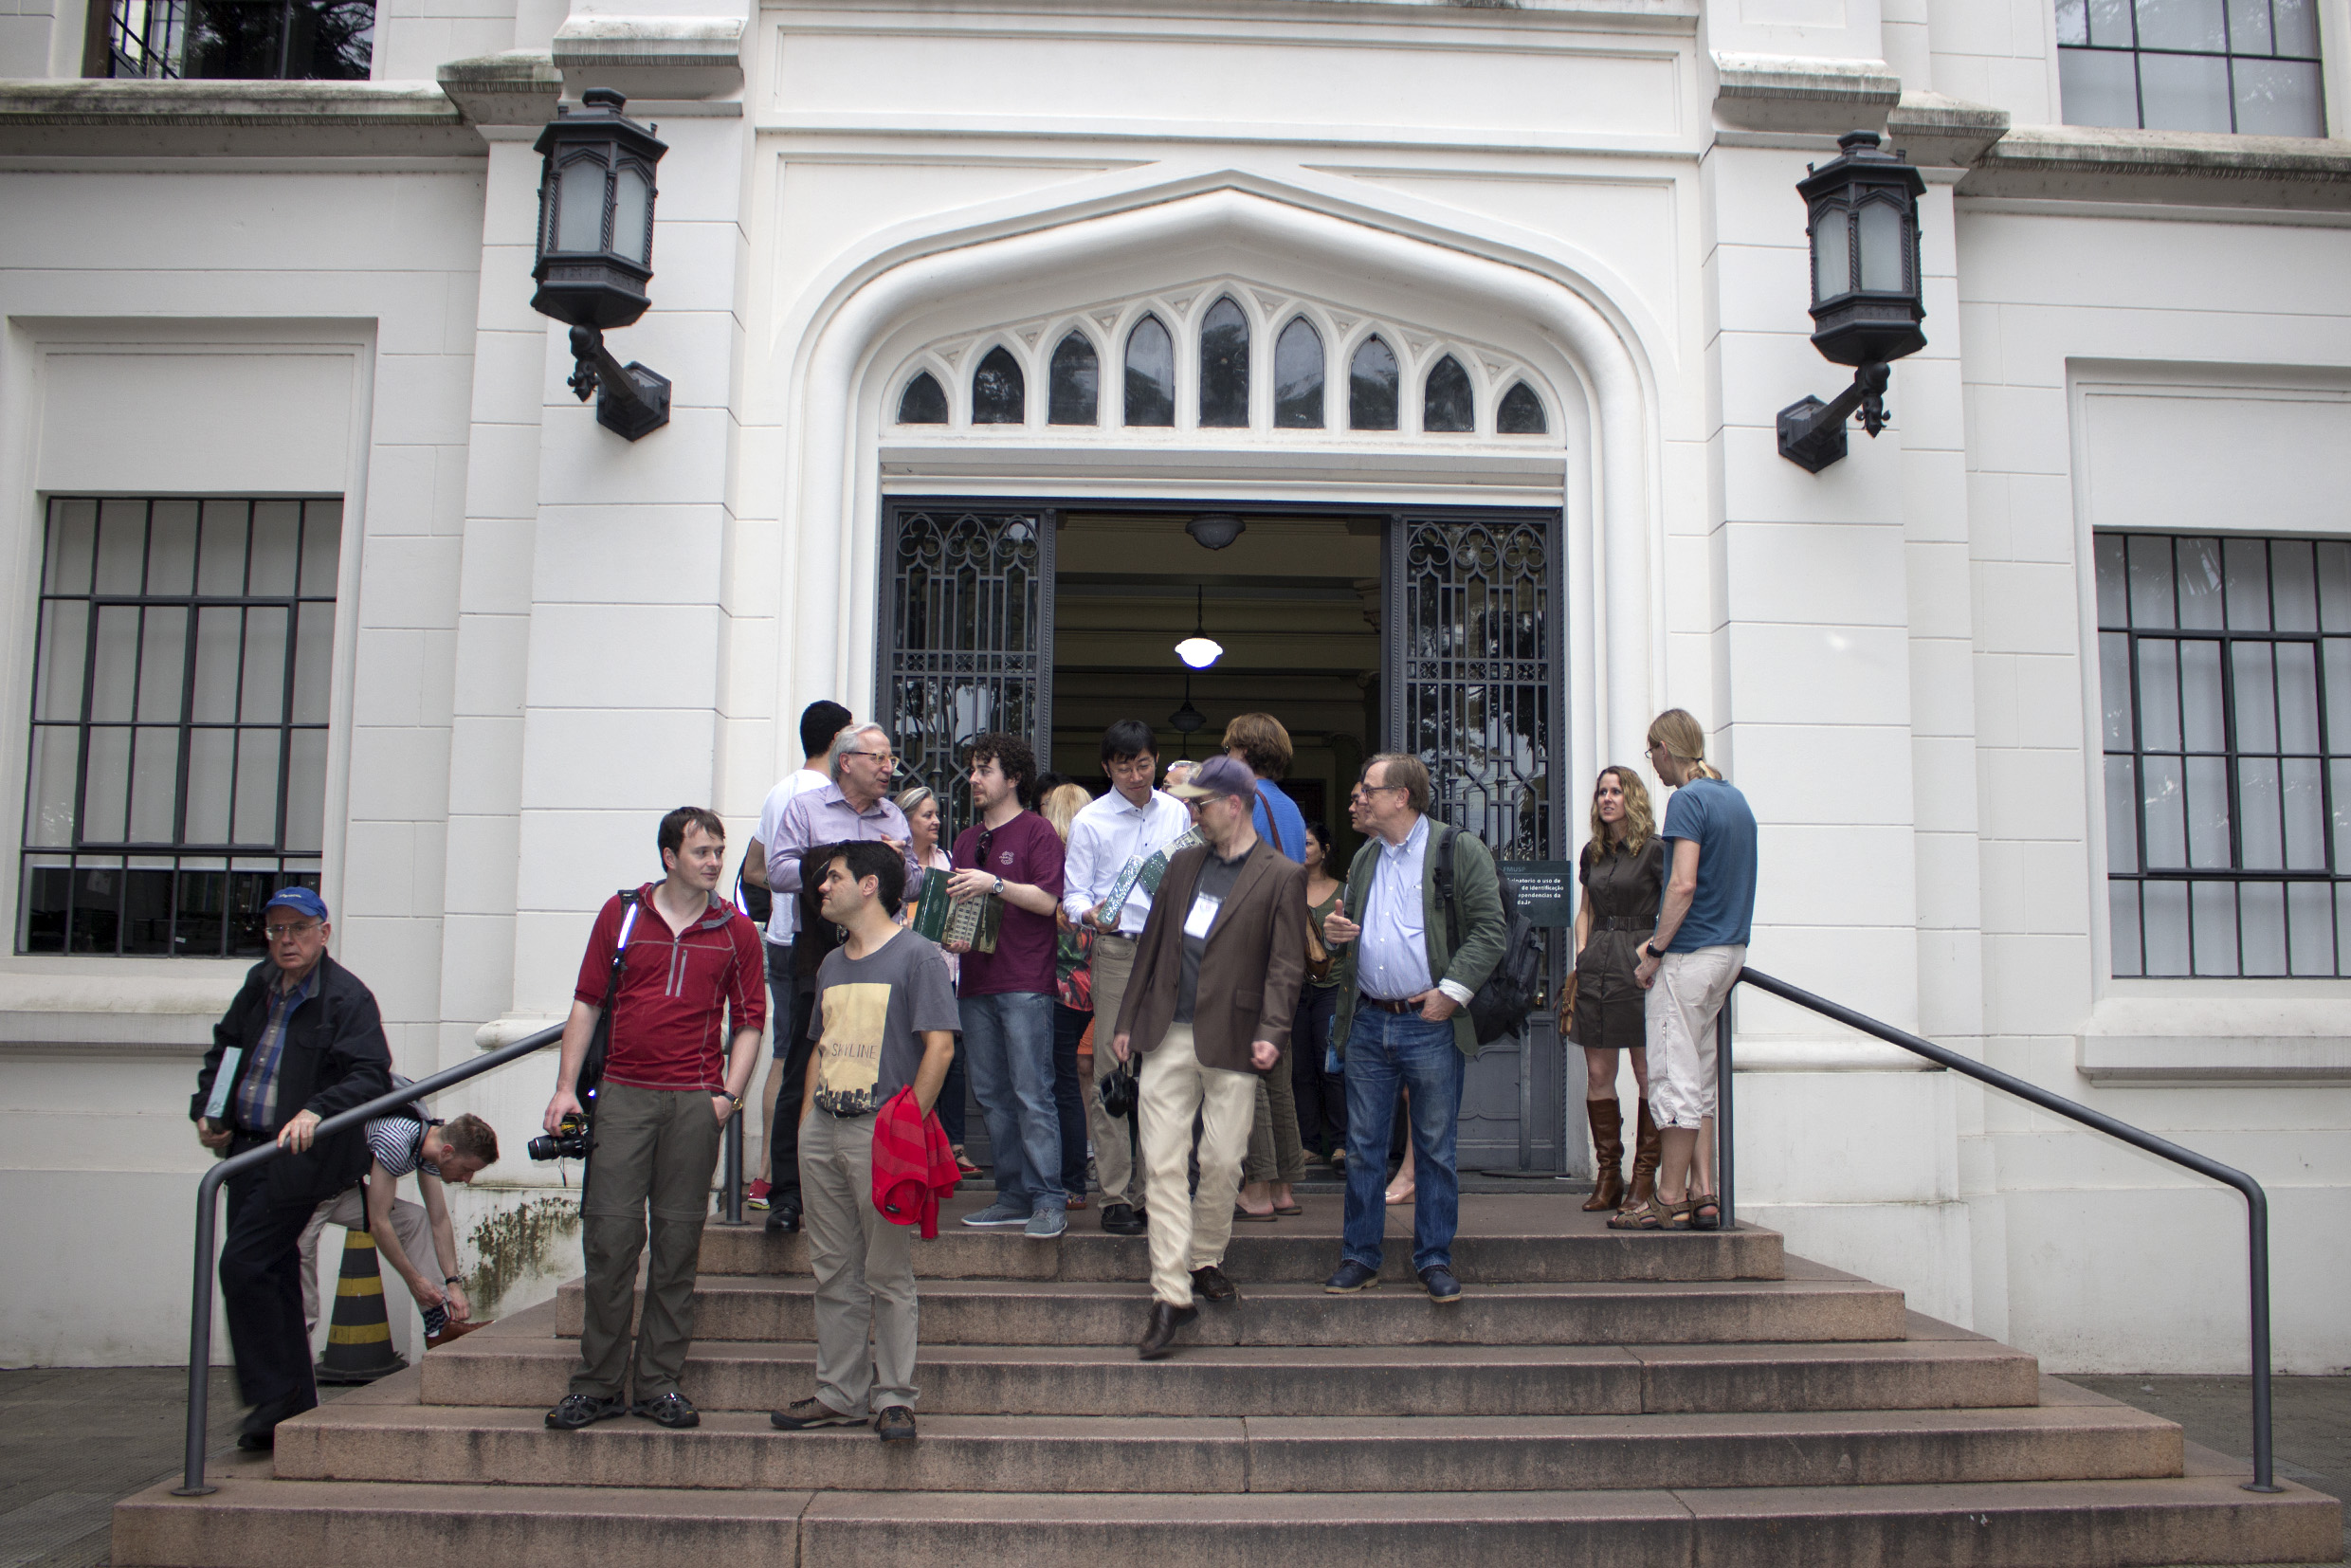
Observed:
{"x":1638,"y":1216}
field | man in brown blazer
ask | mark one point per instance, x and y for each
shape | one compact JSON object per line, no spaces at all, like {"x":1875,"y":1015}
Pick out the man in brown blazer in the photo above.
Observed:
{"x":1215,"y":983}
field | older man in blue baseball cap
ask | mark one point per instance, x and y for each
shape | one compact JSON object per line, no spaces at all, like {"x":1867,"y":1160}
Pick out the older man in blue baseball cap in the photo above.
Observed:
{"x":302,"y":1040}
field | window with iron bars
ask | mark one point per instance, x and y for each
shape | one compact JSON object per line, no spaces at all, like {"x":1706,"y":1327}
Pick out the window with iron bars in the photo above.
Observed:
{"x":248,"y":40}
{"x":2225,"y":668}
{"x":177,"y":772}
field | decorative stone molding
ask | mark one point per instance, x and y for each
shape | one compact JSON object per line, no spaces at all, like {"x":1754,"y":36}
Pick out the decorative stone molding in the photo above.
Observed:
{"x":100,"y":119}
{"x":518,"y":87}
{"x":2203,"y":168}
{"x":1931,"y":129}
{"x":1789,"y":93}
{"x":2217,"y":1039}
{"x":105,"y":1010}
{"x":652,"y":57}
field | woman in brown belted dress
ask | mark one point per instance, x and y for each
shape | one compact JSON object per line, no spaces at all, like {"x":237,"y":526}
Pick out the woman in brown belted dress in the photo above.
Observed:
{"x":1623,"y":874}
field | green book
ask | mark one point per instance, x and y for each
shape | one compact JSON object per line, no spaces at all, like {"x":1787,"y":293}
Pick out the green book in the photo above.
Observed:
{"x":931,"y":905}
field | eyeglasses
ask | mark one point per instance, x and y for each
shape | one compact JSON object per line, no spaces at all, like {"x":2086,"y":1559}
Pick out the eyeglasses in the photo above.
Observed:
{"x":281,"y":933}
{"x":886,"y":758}
{"x":1364,"y":792}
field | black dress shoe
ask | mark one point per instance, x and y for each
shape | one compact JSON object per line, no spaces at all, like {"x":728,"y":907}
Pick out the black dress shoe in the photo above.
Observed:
{"x":1165,"y":1320}
{"x":1121,"y":1219}
{"x":783,"y":1217}
{"x":1211,"y":1283}
{"x":258,"y":1432}
{"x":1443,"y":1288}
{"x":1352,"y":1276}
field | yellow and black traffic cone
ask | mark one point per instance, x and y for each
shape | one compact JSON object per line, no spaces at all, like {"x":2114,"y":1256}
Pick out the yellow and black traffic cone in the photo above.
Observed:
{"x":358,"y":1337}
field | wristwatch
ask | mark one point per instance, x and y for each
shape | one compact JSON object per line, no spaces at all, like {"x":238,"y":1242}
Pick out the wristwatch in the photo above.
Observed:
{"x":999,"y":887}
{"x":1645,"y":951}
{"x":735,"y":1099}
{"x":451,"y":1279}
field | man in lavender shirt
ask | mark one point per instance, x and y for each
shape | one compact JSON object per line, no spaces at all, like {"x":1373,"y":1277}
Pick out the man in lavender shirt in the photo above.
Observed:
{"x":856,"y":805}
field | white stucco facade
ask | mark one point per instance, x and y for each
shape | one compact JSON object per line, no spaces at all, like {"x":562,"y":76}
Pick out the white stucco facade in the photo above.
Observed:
{"x":546,"y":635}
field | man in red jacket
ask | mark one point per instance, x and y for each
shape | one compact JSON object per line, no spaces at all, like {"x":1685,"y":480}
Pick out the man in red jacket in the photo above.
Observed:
{"x":886,"y":1021}
{"x":688,"y":965}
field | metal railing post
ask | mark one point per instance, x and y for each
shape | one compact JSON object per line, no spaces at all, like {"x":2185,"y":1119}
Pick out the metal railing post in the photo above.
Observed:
{"x":208,"y":1205}
{"x":200,"y":1335}
{"x":1725,"y":1145}
{"x":2256,"y":1201}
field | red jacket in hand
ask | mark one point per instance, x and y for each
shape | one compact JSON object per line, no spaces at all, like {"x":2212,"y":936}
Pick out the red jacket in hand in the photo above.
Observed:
{"x":914,"y":1165}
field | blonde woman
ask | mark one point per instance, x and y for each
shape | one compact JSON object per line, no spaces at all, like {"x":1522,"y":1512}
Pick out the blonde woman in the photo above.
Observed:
{"x":923,"y":824}
{"x":1623,"y":872}
{"x":1688,"y":968}
{"x":1073,"y":1004}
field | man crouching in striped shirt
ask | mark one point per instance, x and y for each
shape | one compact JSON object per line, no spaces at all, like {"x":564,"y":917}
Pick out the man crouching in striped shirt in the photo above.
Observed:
{"x":437,"y":1151}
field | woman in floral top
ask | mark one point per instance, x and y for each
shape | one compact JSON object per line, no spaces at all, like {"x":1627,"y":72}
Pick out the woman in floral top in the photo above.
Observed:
{"x":1073,"y":1009}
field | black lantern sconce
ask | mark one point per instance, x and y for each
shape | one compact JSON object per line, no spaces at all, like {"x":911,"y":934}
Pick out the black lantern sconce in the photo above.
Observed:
{"x":1867,"y":301}
{"x":595,"y":251}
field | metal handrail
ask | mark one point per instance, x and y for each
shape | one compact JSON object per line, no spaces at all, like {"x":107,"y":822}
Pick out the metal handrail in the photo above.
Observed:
{"x":2256,"y":1201}
{"x":207,"y":1207}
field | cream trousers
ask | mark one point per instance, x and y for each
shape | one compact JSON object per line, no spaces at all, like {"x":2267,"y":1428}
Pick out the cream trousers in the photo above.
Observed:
{"x":1684,"y":1000}
{"x":1188,"y":1234}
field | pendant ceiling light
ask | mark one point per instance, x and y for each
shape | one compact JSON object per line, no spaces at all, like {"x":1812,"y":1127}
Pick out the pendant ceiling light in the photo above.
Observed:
{"x":1199,"y":651}
{"x":1186,"y":718}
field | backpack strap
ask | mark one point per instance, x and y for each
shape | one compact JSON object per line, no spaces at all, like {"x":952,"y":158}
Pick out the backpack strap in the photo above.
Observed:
{"x":1447,"y":850}
{"x":620,"y":950}
{"x":1273,"y":824}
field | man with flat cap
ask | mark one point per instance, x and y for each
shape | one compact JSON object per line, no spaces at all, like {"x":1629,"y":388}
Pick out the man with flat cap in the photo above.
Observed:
{"x":302,"y":1042}
{"x":1214,"y":987}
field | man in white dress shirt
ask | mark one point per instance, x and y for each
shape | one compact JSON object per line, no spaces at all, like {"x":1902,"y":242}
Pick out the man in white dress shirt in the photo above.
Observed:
{"x":1105,"y":838}
{"x":820,"y":721}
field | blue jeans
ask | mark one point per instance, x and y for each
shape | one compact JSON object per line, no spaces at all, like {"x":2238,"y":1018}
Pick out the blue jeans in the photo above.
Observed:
{"x":1010,"y":1041}
{"x":1387,"y":1051}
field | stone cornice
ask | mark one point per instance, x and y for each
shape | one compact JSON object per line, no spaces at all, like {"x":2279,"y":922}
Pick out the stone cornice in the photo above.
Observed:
{"x":1790,"y":93}
{"x":82,"y":117}
{"x":518,"y":87}
{"x":2095,"y":164}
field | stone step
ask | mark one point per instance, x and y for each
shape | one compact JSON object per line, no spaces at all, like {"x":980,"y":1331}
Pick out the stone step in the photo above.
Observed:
{"x":385,"y":1437}
{"x":2203,"y":1516}
{"x":1820,"y":1305}
{"x":1505,"y":1237}
{"x":518,"y":1363}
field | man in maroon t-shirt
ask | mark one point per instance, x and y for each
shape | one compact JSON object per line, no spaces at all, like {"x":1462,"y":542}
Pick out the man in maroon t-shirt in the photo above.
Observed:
{"x":689,"y":966}
{"x":1012,"y":855}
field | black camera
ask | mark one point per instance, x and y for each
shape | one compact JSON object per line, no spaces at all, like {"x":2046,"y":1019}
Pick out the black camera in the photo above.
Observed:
{"x":567,"y":1142}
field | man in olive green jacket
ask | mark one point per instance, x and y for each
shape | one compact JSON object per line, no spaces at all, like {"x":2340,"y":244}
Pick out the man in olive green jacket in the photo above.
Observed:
{"x":1403,"y":1017}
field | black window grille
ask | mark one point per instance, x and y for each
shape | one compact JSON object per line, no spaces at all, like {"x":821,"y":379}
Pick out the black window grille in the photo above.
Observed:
{"x":269,"y":40}
{"x":177,"y":772}
{"x":2225,"y":669}
{"x":2249,"y":66}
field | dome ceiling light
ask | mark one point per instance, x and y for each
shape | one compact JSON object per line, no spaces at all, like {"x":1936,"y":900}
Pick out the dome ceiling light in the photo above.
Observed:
{"x":1214,"y":530}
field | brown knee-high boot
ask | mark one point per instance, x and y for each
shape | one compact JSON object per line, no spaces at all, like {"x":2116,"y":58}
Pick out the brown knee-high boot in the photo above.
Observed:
{"x":1648,"y":1150}
{"x":1608,"y":1154}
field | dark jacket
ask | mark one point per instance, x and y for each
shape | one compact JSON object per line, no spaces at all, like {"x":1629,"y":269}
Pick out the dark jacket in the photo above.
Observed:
{"x":335,"y":1059}
{"x":1249,"y":973}
{"x":1477,"y":888}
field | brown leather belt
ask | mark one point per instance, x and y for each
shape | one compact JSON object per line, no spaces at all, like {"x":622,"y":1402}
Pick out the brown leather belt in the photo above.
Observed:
{"x":1388,"y":1006}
